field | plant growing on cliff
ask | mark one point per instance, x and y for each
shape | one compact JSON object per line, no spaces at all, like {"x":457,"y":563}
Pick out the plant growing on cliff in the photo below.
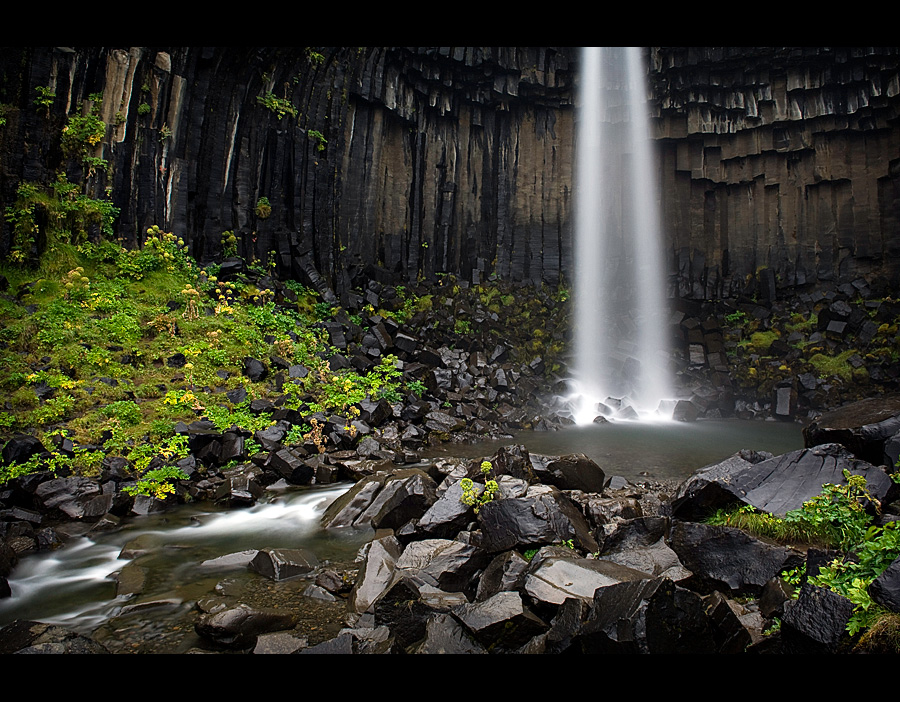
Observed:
{"x":319,"y":138}
{"x":280,"y":106}
{"x":44,"y":99}
{"x":263,"y":208}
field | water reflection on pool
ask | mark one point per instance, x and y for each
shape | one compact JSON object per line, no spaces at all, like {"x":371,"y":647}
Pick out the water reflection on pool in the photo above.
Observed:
{"x":662,"y":450}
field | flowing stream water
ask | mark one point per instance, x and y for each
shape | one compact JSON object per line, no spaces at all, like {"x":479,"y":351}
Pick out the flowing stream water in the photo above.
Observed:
{"x":75,"y":586}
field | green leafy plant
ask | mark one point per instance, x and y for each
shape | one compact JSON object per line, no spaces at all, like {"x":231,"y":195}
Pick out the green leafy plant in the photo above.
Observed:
{"x":416,"y":387}
{"x":836,"y":518}
{"x":280,"y":106}
{"x":470,"y":494}
{"x":44,"y":99}
{"x":263,"y":208}
{"x":736,"y":319}
{"x":82,"y":134}
{"x":319,"y":138}
{"x":229,"y":244}
{"x":157,"y":483}
{"x":126,"y":411}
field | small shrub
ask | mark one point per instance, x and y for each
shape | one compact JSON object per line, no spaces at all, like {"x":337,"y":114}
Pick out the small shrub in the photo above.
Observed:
{"x":126,"y":411}
{"x":157,"y":483}
{"x":477,"y":500}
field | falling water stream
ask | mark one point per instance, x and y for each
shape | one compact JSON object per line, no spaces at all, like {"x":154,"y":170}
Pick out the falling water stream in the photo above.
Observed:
{"x":620,"y":350}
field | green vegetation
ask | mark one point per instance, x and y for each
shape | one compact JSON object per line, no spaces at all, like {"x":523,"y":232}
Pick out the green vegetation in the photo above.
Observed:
{"x":83,"y":133}
{"x":68,"y":215}
{"x":90,"y":330}
{"x":44,"y":99}
{"x":838,"y":366}
{"x":319,"y":138}
{"x":280,"y":106}
{"x":836,"y":518}
{"x":470,"y":495}
{"x":263,"y":208}
{"x":157,"y":483}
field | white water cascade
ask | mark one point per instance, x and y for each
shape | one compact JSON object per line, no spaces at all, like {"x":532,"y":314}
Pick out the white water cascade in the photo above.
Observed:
{"x":619,"y":297}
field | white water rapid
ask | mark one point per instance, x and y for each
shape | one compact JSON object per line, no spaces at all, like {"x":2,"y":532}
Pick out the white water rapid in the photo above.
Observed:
{"x":619,"y":297}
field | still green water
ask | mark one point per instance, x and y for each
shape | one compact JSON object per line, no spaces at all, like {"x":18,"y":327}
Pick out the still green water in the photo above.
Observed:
{"x":662,"y":450}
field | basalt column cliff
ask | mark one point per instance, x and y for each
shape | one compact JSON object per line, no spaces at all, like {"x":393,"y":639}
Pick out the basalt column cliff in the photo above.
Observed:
{"x":779,"y":166}
{"x":406,"y":162}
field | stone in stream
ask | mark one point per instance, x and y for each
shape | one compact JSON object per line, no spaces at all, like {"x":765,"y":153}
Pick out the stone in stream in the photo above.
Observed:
{"x":284,"y":563}
{"x":238,"y":627}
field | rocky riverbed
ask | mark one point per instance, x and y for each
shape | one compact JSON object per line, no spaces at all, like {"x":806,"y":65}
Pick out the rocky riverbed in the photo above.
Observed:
{"x":560,"y":558}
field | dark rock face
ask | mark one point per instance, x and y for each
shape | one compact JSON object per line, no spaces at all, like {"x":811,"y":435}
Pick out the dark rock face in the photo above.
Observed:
{"x":864,"y":427}
{"x":777,"y":484}
{"x":819,"y":123}
{"x":728,"y":559}
{"x":721,"y":110}
{"x":816,"y":622}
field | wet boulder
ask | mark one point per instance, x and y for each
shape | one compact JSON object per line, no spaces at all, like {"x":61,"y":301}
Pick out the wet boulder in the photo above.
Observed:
{"x":20,"y":448}
{"x":376,"y":573}
{"x":515,"y":461}
{"x":885,"y":589}
{"x":679,"y":620}
{"x":255,"y":369}
{"x":76,"y":498}
{"x":616,"y":619}
{"x":408,"y":604}
{"x":502,"y":622}
{"x":446,"y":564}
{"x":863,"y":427}
{"x":444,"y":634}
{"x":240,"y":487}
{"x":347,"y":510}
{"x":641,"y":544}
{"x":728,"y":559}
{"x":405,"y":495}
{"x":816,"y":622}
{"x":446,"y":516}
{"x":711,"y":488}
{"x":776,"y":484}
{"x":288,"y":464}
{"x":284,"y":563}
{"x":555,"y":577}
{"x":506,"y":571}
{"x":543,"y":516}
{"x":237,"y":628}
{"x":23,"y":636}
{"x":571,"y":472}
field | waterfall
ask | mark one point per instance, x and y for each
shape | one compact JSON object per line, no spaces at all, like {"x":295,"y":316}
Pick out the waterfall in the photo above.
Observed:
{"x":619,"y":297}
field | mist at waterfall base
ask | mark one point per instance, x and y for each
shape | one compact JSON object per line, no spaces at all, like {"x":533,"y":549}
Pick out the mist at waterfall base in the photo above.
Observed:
{"x":620,"y":359}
